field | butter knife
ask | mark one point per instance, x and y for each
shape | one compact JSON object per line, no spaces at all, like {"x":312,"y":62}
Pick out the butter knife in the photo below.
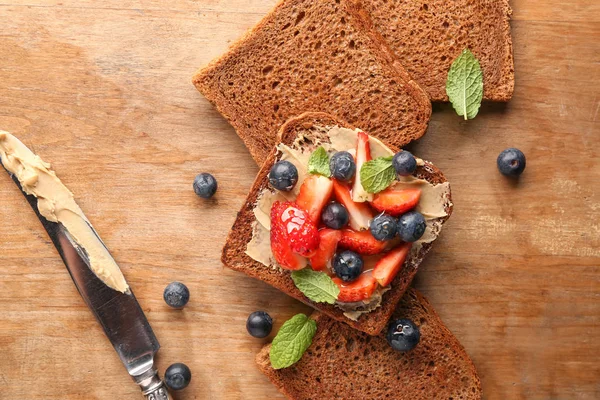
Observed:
{"x":119,"y":314}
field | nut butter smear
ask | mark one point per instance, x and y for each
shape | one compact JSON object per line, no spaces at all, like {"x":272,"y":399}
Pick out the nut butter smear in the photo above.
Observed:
{"x":431,"y":205}
{"x":56,"y":204}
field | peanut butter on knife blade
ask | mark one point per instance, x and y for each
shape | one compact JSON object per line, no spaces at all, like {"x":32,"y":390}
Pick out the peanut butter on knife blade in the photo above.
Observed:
{"x":57,"y":204}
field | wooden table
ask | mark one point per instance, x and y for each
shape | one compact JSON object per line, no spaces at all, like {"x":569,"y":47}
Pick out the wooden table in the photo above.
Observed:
{"x":102,"y":90}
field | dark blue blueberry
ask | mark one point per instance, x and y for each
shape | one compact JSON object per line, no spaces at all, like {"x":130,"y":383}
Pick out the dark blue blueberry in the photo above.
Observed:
{"x":383,"y":227}
{"x":205,"y":185}
{"x":411,"y":226}
{"x":176,"y":295}
{"x":347,"y":265}
{"x":178,"y":376}
{"x":511,"y":162}
{"x":259,"y":324}
{"x":335,"y":215}
{"x":403,"y":335}
{"x":342,"y":166}
{"x":283,"y":176}
{"x":404,"y":163}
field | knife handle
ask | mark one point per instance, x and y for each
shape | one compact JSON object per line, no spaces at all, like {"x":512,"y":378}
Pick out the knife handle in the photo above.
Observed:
{"x":152,"y":386}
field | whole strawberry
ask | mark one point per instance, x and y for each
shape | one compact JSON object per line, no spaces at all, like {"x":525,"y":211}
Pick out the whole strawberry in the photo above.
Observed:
{"x":292,"y":225}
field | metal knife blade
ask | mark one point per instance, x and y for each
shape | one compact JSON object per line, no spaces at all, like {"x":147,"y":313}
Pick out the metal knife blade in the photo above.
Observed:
{"x":120,"y":314}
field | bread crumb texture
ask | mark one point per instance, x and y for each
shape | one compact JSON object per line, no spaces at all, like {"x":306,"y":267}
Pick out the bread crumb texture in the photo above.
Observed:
{"x":343,"y":363}
{"x":314,"y":56}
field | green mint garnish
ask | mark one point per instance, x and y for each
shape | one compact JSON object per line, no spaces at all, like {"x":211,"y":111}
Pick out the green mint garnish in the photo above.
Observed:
{"x":292,"y":340}
{"x":465,"y":85}
{"x":376,"y":175}
{"x":318,"y":163}
{"x":317,"y":286}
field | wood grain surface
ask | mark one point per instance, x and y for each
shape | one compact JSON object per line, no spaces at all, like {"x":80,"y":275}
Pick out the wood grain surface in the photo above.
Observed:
{"x":103,"y":91}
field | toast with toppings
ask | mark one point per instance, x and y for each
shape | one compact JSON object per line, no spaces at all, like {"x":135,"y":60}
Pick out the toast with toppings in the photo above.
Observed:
{"x":428,"y":36}
{"x":308,"y":55}
{"x":244,"y":250}
{"x":343,"y":363}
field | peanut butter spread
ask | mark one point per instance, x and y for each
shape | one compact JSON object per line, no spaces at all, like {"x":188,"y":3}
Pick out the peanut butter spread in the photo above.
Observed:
{"x":431,"y":205}
{"x":57,"y":204}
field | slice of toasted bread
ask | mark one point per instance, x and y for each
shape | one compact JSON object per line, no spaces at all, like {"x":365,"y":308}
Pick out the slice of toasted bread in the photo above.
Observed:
{"x":312,"y":126}
{"x":428,"y":35}
{"x":342,"y":363}
{"x":308,"y":55}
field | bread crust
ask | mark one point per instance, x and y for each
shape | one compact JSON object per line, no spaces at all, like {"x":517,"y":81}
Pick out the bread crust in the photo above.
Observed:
{"x":234,"y":256}
{"x":343,"y":363}
{"x":427,"y":36}
{"x":310,"y":55}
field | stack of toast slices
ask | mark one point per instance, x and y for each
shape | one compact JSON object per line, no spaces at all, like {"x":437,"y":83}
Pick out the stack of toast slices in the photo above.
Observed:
{"x":307,"y":132}
{"x":374,"y":65}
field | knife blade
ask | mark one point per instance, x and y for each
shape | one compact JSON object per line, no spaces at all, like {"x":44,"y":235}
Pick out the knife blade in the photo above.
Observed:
{"x":119,"y":314}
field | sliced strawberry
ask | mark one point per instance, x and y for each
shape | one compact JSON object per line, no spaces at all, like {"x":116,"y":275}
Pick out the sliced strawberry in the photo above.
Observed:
{"x":358,"y":290}
{"x":363,"y":154}
{"x":294,"y":226}
{"x":360,"y":213}
{"x":361,"y":242}
{"x":388,"y":267}
{"x":282,"y":252}
{"x":327,"y":247}
{"x":314,"y":193}
{"x":396,"y":202}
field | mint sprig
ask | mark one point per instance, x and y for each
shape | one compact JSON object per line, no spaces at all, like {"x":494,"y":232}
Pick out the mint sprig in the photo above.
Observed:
{"x":292,"y":340}
{"x":315,"y":285}
{"x":464,"y":85}
{"x":376,"y":175}
{"x":318,"y":163}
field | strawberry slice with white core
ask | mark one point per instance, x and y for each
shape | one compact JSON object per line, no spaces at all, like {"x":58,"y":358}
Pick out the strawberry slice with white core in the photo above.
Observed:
{"x":363,"y":154}
{"x":327,"y":247}
{"x":358,"y":290}
{"x":360,"y":213}
{"x":396,"y":202}
{"x":314,"y":194}
{"x":388,"y":267}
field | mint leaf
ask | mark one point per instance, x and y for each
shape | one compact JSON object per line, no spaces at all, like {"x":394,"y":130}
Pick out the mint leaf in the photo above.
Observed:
{"x":292,"y":340}
{"x":464,"y":86}
{"x":376,"y":175}
{"x":318,"y":163}
{"x":317,"y":286}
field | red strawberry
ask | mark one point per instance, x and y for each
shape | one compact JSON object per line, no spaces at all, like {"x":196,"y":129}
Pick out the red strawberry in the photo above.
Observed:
{"x":314,"y":193}
{"x":327,"y":247}
{"x":360,"y":213}
{"x":363,"y":154}
{"x":396,"y":202}
{"x":388,"y":267}
{"x":280,"y":247}
{"x":358,"y":290}
{"x":293,"y":225}
{"x":361,"y":242}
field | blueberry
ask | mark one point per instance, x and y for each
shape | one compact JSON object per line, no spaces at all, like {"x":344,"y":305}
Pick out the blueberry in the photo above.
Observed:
{"x":259,"y":324}
{"x":283,"y":176}
{"x":342,"y":166}
{"x":403,"y":335}
{"x":511,"y":162}
{"x":411,"y":226}
{"x":383,"y":227}
{"x":178,"y":376}
{"x":404,"y":163}
{"x":348,"y":265}
{"x":176,"y":295}
{"x":335,"y":215}
{"x":205,"y":185}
